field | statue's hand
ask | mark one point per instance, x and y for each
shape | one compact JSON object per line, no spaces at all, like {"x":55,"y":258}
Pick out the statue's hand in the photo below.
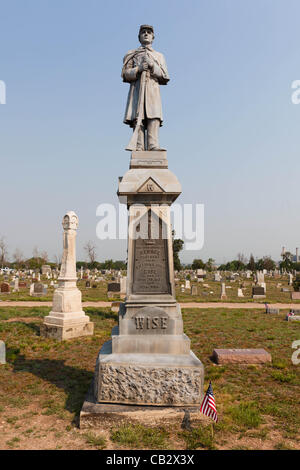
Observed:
{"x":150,"y":62}
{"x":143,"y":66}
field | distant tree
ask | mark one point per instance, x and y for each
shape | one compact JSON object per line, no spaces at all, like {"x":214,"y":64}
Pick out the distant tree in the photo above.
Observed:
{"x":90,"y":251}
{"x":18,"y":258}
{"x":242,"y":258}
{"x":44,"y":256}
{"x":297,"y":266}
{"x":251,"y":264}
{"x":3,"y":252}
{"x":286,"y":263}
{"x":198,"y":264}
{"x":209,"y":264}
{"x":177,"y":247}
{"x":268,"y":263}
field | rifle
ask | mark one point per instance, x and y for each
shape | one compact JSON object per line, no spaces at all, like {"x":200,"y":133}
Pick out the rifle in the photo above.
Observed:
{"x":133,"y":141}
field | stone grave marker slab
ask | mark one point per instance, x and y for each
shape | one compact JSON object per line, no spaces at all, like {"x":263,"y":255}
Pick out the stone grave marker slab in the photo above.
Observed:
{"x":241,"y":356}
{"x":2,"y":353}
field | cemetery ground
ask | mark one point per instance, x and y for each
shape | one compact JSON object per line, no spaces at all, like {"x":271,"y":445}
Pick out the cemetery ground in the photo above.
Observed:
{"x":208,"y":291}
{"x":44,"y":383}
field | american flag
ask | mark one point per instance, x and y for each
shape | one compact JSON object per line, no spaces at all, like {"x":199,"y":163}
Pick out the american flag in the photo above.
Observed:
{"x":208,"y":406}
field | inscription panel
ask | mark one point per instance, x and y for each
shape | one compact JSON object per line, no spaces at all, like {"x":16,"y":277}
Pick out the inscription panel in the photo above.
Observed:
{"x":150,"y":269}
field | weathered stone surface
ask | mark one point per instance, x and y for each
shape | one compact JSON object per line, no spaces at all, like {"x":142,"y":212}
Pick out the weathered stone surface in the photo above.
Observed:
{"x":95,"y":414}
{"x":2,"y":353}
{"x":148,"y":379}
{"x":61,"y":333}
{"x":241,"y":356}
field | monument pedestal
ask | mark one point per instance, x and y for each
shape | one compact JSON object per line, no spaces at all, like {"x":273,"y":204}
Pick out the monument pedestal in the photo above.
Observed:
{"x":67,"y":319}
{"x":148,"y":360}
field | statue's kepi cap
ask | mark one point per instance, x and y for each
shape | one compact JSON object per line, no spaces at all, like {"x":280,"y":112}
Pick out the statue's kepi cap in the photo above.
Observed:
{"x":144,"y":26}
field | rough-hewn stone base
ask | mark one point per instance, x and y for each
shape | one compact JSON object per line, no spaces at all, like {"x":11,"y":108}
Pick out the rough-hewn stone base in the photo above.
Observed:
{"x":241,"y":356}
{"x":61,"y":333}
{"x":148,"y":379}
{"x":95,"y":414}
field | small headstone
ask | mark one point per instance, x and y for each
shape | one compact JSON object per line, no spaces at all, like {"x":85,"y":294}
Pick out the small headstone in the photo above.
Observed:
{"x":240,"y":293}
{"x":87,"y":284}
{"x":115,"y":306}
{"x":194,"y":290}
{"x":295,"y":295}
{"x":258,"y":292}
{"x":2,"y":353}
{"x":294,"y":318}
{"x":38,"y":289}
{"x":223,"y":291}
{"x":4,"y":288}
{"x":123,"y":281}
{"x":241,"y":356}
{"x":113,"y":287}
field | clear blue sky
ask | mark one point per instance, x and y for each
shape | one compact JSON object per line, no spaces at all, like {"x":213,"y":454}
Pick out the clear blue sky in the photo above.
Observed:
{"x":231,"y":130}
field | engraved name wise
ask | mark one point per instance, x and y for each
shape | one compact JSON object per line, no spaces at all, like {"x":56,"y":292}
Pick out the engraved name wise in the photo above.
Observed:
{"x":150,"y":271}
{"x":151,"y":322}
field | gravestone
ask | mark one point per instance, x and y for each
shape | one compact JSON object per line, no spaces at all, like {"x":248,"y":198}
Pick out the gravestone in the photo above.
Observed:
{"x":295,"y":295}
{"x":294,"y":318}
{"x":2,"y":352}
{"x":5,"y":288}
{"x":87,"y":284}
{"x":223,"y":291}
{"x":67,"y":320}
{"x":38,"y":290}
{"x":46,"y":269}
{"x":240,"y":293}
{"x":194,"y":290}
{"x":258,"y":292}
{"x":113,"y":289}
{"x":241,"y":356}
{"x":22,"y":285}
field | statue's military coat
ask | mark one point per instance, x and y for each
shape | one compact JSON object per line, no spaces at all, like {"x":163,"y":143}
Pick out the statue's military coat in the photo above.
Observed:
{"x":159,"y":76}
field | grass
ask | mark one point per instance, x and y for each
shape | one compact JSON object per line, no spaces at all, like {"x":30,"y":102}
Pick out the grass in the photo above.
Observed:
{"x":46,"y":380}
{"x":246,"y":414}
{"x":96,"y":441}
{"x":200,"y":438}
{"x":139,"y":436}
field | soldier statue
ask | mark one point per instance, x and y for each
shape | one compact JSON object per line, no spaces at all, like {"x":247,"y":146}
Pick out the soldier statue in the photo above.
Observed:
{"x":145,"y":69}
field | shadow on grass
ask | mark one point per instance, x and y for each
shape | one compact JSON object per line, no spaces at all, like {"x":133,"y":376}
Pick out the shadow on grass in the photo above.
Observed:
{"x":74,"y":381}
